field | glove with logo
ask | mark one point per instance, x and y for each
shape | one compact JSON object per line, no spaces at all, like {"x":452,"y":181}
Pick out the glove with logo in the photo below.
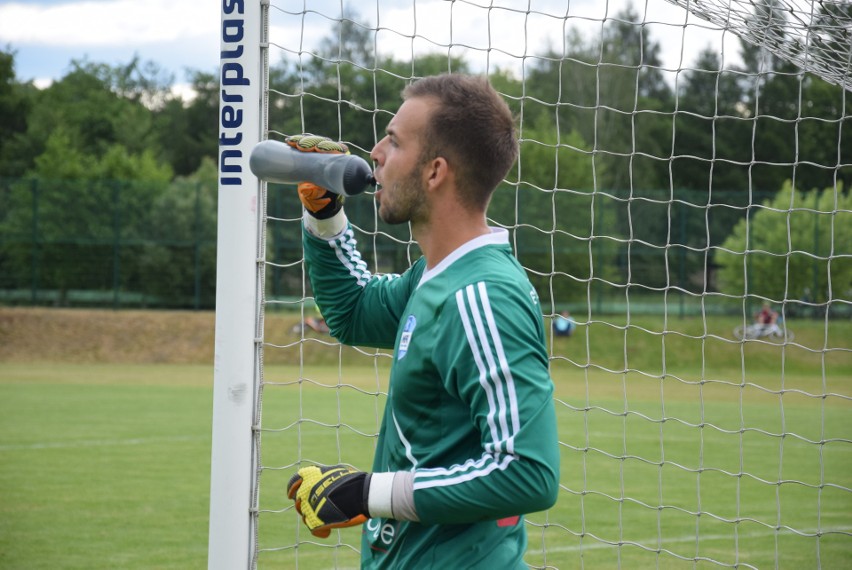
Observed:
{"x":330,"y":497}
{"x":318,"y":201}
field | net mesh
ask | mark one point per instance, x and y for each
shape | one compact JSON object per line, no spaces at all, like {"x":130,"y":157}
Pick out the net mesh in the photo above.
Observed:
{"x":682,"y":164}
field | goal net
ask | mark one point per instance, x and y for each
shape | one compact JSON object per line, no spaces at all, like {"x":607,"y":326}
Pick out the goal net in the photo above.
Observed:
{"x":682,"y":197}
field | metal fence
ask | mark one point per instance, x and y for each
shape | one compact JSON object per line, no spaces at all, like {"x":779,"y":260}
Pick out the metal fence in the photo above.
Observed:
{"x":107,"y":243}
{"x":125,"y":244}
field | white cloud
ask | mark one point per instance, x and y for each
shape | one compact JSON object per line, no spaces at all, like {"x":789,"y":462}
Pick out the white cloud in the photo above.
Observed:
{"x":486,"y":33}
{"x":114,"y":22}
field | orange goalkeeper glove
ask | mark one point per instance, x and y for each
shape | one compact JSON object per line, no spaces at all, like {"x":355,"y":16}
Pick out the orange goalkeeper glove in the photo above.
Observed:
{"x":330,"y":497}
{"x":318,"y":201}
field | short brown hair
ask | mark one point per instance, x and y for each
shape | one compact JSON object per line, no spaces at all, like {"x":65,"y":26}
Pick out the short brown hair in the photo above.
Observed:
{"x":472,"y":128}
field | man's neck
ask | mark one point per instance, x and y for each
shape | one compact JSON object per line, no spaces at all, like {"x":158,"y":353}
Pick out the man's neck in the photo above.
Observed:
{"x":442,"y":235}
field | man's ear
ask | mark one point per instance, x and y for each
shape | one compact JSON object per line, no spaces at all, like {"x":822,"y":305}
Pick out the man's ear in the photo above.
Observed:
{"x":437,"y":172}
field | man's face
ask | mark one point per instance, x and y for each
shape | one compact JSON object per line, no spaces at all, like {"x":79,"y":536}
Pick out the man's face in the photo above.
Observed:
{"x":399,"y":170}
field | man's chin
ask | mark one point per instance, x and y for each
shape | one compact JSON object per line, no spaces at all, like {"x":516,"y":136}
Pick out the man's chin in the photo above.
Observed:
{"x":389,"y":217}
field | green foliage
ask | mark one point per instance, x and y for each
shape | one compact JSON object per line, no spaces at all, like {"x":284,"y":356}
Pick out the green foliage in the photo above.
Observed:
{"x":92,"y":115}
{"x":643,"y":176}
{"x":707,"y":104}
{"x":81,"y":215}
{"x":184,"y":267}
{"x":64,"y":160}
{"x":78,"y":208}
{"x":556,"y":176}
{"x":186,"y":132}
{"x":349,"y":92}
{"x":793,"y":246}
{"x":16,"y":100}
{"x":137,"y":81}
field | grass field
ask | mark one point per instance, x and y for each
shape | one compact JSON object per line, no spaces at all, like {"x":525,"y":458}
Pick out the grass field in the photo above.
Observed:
{"x":104,"y":466}
{"x":679,"y":450}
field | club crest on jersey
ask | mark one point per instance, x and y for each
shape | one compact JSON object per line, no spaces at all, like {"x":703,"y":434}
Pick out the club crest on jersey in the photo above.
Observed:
{"x":405,"y":339}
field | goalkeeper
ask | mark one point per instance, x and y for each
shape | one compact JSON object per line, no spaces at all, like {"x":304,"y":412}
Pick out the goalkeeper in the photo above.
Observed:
{"x":468,"y":440}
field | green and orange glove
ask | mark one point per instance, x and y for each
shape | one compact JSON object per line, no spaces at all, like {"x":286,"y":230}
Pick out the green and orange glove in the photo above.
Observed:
{"x":330,"y":497}
{"x":319,"y":202}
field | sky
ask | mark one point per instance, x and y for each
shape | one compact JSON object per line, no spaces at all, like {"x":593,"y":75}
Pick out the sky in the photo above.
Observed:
{"x":184,"y":34}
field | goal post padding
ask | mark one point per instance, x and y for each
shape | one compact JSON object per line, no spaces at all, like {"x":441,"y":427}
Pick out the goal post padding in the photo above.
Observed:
{"x":239,"y":277}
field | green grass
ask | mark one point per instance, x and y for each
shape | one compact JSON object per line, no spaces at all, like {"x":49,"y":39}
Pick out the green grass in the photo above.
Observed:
{"x":104,"y":466}
{"x":107,"y":466}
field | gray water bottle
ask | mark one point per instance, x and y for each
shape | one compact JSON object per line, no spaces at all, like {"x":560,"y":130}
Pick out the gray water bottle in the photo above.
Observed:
{"x":346,"y":174}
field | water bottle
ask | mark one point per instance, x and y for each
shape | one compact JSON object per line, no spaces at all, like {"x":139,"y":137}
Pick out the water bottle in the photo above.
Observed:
{"x":346,"y":174}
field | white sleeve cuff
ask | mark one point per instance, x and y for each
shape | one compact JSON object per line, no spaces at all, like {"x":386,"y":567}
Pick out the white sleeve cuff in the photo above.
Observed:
{"x":327,"y":229}
{"x":380,"y":497}
{"x":391,"y":496}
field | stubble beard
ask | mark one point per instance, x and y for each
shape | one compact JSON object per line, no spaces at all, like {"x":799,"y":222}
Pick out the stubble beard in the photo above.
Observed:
{"x":408,"y":203}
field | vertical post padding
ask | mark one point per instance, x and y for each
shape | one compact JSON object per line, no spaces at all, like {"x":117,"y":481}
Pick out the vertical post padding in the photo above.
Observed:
{"x":233,"y":464}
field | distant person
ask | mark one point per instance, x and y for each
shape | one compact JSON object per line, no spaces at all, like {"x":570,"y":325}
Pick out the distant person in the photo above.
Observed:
{"x":564,"y":324}
{"x":767,"y":317}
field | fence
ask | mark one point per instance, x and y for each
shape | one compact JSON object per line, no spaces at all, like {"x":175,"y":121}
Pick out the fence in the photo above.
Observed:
{"x":125,"y":244}
{"x":107,"y":243}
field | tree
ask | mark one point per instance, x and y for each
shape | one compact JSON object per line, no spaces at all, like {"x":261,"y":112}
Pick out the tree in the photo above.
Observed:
{"x":709,"y":172}
{"x":346,"y":92}
{"x":797,"y":118}
{"x":611,"y":91}
{"x":179,"y":268}
{"x":92,"y":116}
{"x":144,"y":82}
{"x":557,"y":178}
{"x":711,"y":136}
{"x":792,"y":246}
{"x":69,"y":217}
{"x":16,"y":101}
{"x":760,"y":54}
{"x":633,"y":105}
{"x":341,"y":85}
{"x":821,"y":132}
{"x":186,"y":132}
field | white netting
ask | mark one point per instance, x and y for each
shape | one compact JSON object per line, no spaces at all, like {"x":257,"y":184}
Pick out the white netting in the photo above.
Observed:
{"x":671,"y":181}
{"x":814,"y":35}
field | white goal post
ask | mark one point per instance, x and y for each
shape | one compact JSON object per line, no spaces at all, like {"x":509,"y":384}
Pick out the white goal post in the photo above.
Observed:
{"x":684,"y":164}
{"x":232,"y":529}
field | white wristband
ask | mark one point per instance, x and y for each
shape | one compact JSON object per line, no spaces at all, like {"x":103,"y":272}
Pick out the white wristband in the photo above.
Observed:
{"x":327,"y":229}
{"x":391,"y":496}
{"x":380,"y":497}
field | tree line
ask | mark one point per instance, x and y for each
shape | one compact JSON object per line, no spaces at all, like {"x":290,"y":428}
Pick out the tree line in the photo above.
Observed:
{"x":629,"y":176}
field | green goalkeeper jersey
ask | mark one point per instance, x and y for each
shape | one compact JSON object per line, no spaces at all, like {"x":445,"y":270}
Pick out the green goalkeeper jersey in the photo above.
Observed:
{"x":469,"y":410}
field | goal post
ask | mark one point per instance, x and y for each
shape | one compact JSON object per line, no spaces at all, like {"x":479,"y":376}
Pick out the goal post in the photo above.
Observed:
{"x":238,"y":319}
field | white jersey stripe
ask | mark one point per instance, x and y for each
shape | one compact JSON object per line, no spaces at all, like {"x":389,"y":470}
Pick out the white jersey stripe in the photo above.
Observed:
{"x":488,"y":468}
{"x":493,"y":372}
{"x":483,"y":338}
{"x":468,"y":465}
{"x":489,"y":393}
{"x":504,"y":367}
{"x":346,"y":252}
{"x":405,"y":443}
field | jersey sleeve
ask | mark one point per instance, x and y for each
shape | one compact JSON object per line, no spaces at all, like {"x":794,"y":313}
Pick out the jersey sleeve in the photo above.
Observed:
{"x":360,"y":308}
{"x":492,"y":356}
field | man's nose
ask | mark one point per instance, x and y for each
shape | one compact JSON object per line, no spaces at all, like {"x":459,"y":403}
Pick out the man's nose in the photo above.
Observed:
{"x":376,"y":153}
